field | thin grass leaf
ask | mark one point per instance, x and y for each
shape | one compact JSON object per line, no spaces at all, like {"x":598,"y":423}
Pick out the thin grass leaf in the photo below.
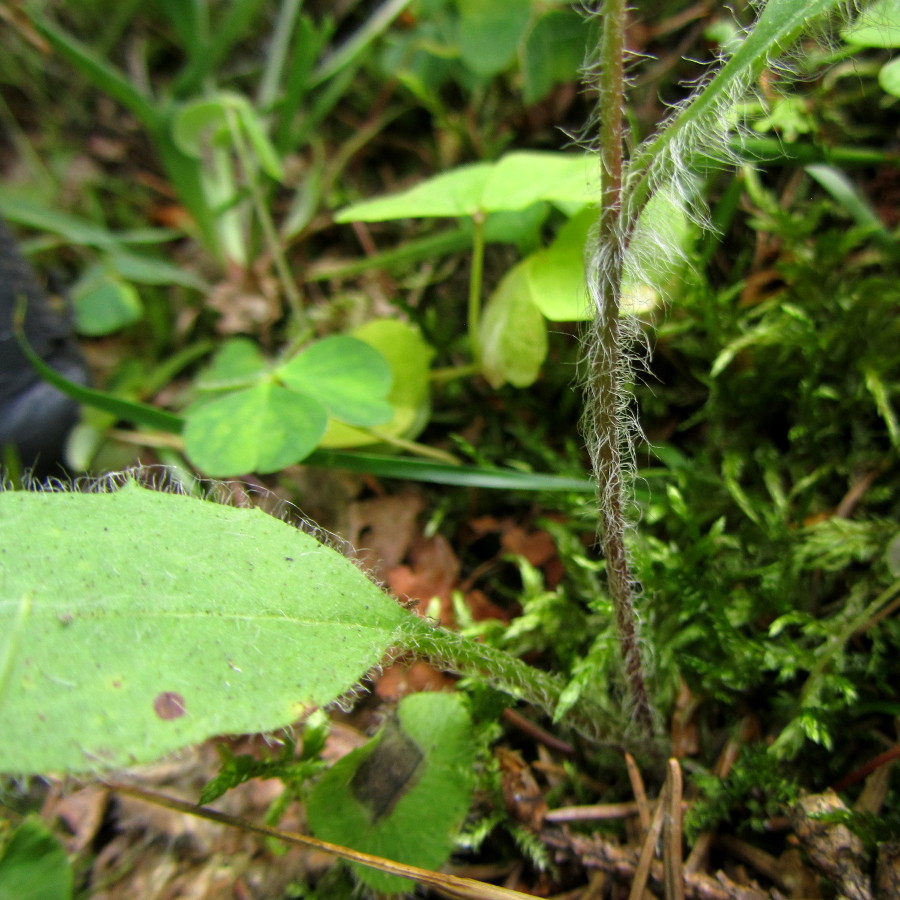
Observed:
{"x":101,"y":74}
{"x":442,"y":473}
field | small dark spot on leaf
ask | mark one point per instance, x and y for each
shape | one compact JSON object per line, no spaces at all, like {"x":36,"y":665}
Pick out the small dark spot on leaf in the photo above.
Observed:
{"x":169,"y":705}
{"x":65,"y":618}
{"x":289,"y":558}
{"x":116,"y":683}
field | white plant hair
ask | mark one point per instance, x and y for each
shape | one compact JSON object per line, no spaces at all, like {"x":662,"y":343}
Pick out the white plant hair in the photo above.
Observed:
{"x":625,"y":248}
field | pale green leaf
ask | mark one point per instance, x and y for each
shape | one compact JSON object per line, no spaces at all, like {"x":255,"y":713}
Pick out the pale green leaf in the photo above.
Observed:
{"x":513,"y":333}
{"x":448,"y":195}
{"x":654,"y":262}
{"x":525,"y":177}
{"x":889,"y":78}
{"x":514,"y":182}
{"x":158,"y":620}
{"x":877,"y":26}
{"x":557,"y":274}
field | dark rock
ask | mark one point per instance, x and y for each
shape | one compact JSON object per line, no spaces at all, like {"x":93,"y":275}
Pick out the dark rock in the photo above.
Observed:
{"x":35,"y":418}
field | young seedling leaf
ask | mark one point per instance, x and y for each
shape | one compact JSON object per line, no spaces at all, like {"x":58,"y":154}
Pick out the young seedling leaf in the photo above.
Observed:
{"x":656,"y":255}
{"x":207,"y":121}
{"x":557,"y":273}
{"x":525,"y":177}
{"x":262,"y":428}
{"x":405,"y":794}
{"x":159,"y":620}
{"x":448,"y":195}
{"x":347,"y":376}
{"x":513,"y":332}
{"x":889,"y":78}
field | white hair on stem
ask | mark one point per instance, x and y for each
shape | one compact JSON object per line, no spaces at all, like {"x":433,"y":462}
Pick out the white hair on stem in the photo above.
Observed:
{"x":702,"y":126}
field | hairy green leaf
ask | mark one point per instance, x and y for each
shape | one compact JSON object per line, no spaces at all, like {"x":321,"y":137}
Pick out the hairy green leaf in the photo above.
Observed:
{"x":155,"y":620}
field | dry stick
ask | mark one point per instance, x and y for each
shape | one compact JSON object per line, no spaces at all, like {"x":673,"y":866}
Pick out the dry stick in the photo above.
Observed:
{"x":605,"y":390}
{"x":645,"y":859}
{"x":621,"y":863}
{"x":673,"y":867}
{"x":451,"y":885}
{"x":639,"y":791}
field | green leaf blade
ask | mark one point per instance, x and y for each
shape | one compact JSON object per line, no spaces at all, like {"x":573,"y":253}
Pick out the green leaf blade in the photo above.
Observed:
{"x":34,"y":865}
{"x":449,"y":195}
{"x":489,"y":33}
{"x":409,"y":357}
{"x":139,"y":644}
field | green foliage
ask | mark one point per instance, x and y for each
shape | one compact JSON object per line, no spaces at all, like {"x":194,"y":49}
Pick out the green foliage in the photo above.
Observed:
{"x":294,"y":772}
{"x":241,"y":620}
{"x":879,"y":26}
{"x":415,"y":777}
{"x":409,"y":358}
{"x":249,"y":418}
{"x":223,"y":606}
{"x":469,"y":43}
{"x":510,"y":339}
{"x":754,"y":791}
{"x":758,"y":586}
{"x":777,"y":406}
{"x":33,"y":865}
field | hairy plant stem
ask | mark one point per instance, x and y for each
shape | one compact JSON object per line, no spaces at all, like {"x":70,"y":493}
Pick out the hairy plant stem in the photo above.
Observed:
{"x":605,"y":390}
{"x":464,"y":656}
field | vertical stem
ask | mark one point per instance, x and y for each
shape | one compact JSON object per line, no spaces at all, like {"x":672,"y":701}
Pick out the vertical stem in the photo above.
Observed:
{"x":606,"y":389}
{"x":270,"y":233}
{"x":476,"y":279}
